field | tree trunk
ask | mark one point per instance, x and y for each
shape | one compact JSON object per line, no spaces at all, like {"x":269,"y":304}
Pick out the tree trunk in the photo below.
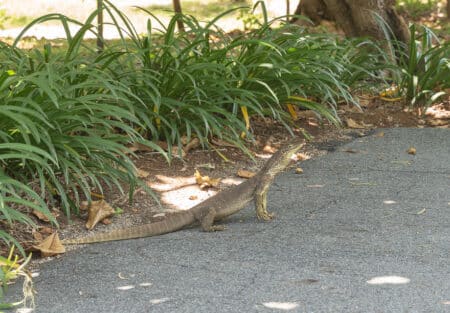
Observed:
{"x":288,"y":12}
{"x":448,"y":9}
{"x":100,"y":38}
{"x":177,"y":9}
{"x":356,"y":17}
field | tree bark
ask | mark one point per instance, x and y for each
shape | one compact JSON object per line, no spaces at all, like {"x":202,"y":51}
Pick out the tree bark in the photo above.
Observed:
{"x":288,"y":12}
{"x":177,"y":9}
{"x":448,"y":9}
{"x":100,"y":38}
{"x":356,"y":17}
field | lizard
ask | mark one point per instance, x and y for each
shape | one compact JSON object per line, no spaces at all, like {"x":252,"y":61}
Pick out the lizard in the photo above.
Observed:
{"x":215,"y":208}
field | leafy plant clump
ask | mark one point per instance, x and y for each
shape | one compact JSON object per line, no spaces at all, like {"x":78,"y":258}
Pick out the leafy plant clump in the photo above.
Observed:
{"x":421,"y":69}
{"x":425,"y":68}
{"x":64,"y":126}
{"x":206,"y":82}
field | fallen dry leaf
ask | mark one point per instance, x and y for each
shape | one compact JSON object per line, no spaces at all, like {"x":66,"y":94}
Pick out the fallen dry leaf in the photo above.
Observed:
{"x":313,"y":122}
{"x":84,"y":205}
{"x":141,"y":173}
{"x":306,"y":114}
{"x":353,"y":124}
{"x":97,"y":195}
{"x":380,"y":134}
{"x":209,"y":166}
{"x":411,"y":150}
{"x":98,"y":210}
{"x":205,"y":181}
{"x":174,"y":149}
{"x":389,"y":92}
{"x":292,"y":111}
{"x":40,"y":216}
{"x":37,"y":236}
{"x":298,"y":170}
{"x":301,"y":156}
{"x":136,"y":146}
{"x":46,"y":230}
{"x":50,"y":246}
{"x":194,"y":143}
{"x":193,"y":197}
{"x":269,"y":149}
{"x":352,"y":108}
{"x":245,"y":174}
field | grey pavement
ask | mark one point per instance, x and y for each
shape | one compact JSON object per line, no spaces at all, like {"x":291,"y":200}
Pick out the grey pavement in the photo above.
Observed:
{"x":356,"y":232}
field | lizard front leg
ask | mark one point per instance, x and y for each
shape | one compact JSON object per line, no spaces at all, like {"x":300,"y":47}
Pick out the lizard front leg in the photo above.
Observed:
{"x":206,"y":219}
{"x":261,"y":202}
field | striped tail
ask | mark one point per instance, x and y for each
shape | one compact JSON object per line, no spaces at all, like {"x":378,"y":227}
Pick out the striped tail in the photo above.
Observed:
{"x":168,"y":225}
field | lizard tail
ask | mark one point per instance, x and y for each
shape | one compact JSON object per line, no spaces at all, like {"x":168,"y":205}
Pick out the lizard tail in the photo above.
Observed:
{"x":170,"y":224}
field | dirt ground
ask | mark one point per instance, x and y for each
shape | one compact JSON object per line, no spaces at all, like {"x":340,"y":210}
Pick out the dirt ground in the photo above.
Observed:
{"x":175,"y":185}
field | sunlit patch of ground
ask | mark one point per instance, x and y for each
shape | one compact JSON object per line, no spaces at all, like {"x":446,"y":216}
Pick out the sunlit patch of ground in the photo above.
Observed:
{"x":182,"y":193}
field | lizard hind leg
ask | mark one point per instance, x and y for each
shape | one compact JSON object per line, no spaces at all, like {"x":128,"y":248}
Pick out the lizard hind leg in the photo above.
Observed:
{"x":207,"y":221}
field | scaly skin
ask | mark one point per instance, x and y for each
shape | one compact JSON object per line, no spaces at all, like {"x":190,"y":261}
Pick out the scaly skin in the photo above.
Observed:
{"x":215,"y":208}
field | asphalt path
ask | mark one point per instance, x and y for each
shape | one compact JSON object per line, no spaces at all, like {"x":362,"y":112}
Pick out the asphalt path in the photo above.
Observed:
{"x":365,"y":228}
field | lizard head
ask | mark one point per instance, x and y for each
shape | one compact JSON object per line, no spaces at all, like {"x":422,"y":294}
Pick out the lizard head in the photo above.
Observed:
{"x":283,"y":156}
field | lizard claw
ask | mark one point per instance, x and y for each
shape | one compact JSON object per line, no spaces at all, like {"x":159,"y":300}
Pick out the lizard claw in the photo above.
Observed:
{"x":214,"y":228}
{"x":218,"y":228}
{"x":265,"y":216}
